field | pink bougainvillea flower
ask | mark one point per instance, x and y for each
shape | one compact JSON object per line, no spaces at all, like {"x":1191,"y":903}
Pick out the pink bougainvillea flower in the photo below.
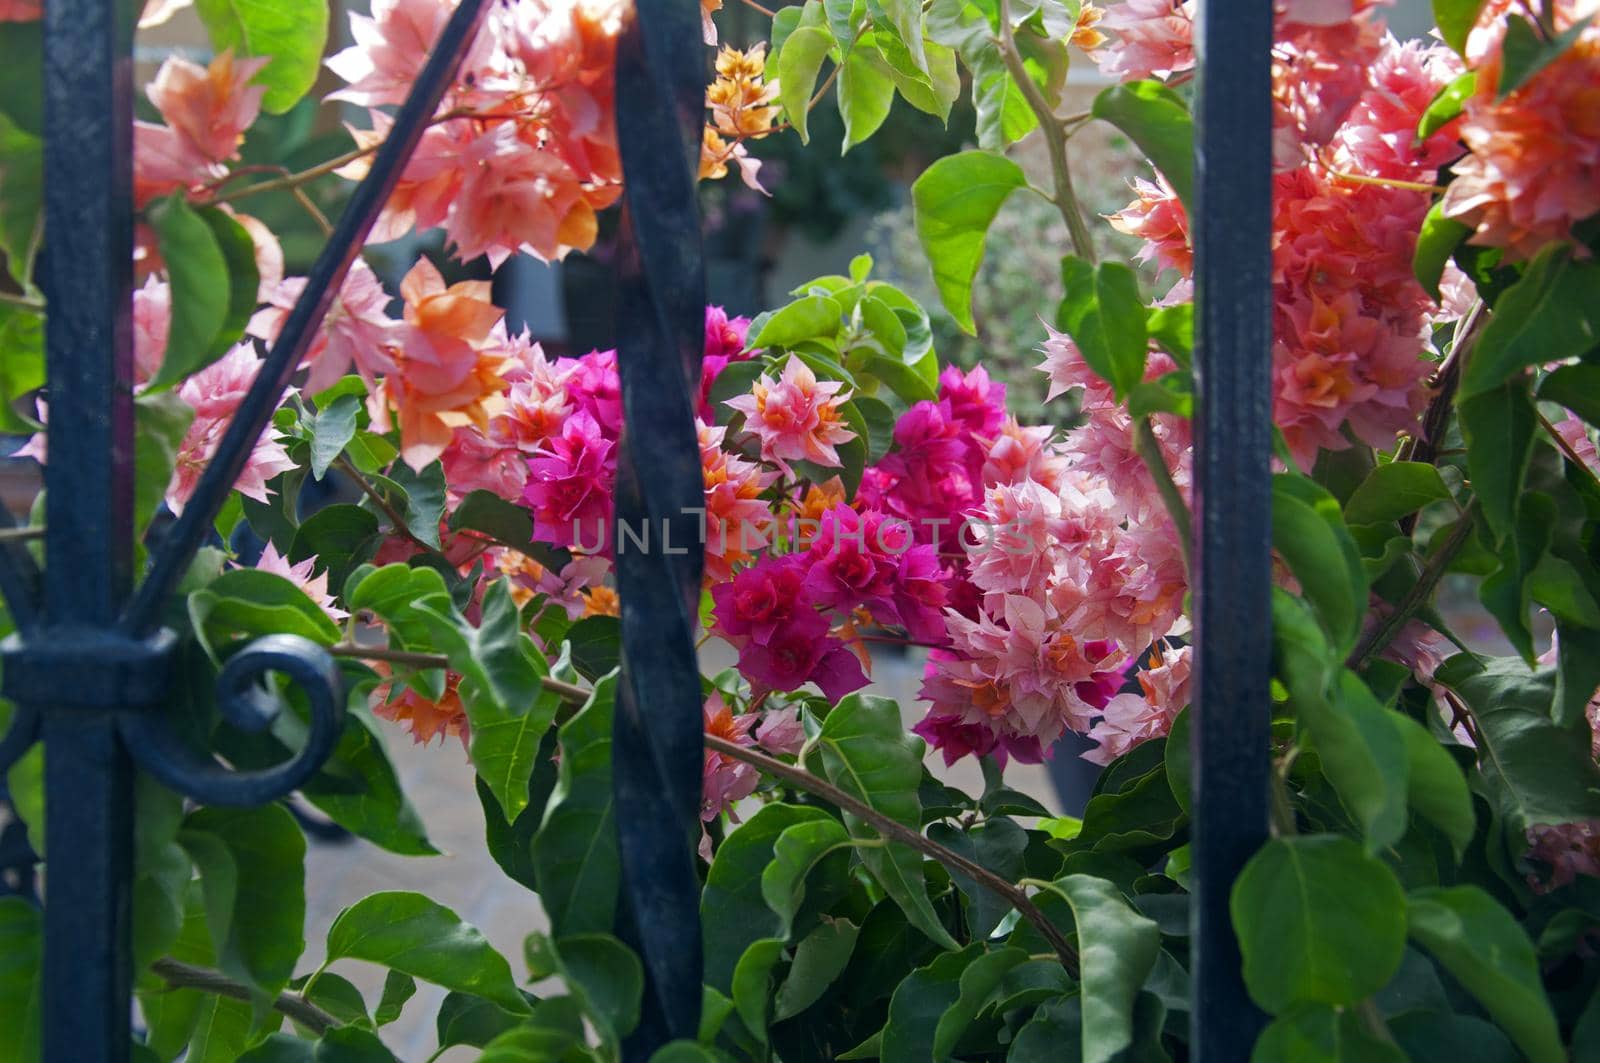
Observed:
{"x":303,"y":575}
{"x":1157,"y":217}
{"x":474,"y":462}
{"x":725,"y":343}
{"x":33,"y":10}
{"x":357,"y":330}
{"x":214,"y":393}
{"x":514,"y":197}
{"x":391,"y":45}
{"x":726,"y":781}
{"x":152,"y":318}
{"x":1533,"y":165}
{"x":1147,"y":38}
{"x":737,"y":520}
{"x":593,"y":385}
{"x":1574,"y":435}
{"x":796,"y":417}
{"x":569,"y":487}
{"x":780,"y":731}
{"x":761,"y":599}
{"x":429,"y":184}
{"x":1131,"y":719}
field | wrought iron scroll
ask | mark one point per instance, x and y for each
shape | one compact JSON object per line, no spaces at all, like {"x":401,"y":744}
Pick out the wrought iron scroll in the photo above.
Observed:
{"x":1232,"y":225}
{"x":657,"y":742}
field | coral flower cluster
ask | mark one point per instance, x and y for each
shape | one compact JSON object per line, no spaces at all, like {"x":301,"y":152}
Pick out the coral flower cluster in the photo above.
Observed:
{"x":1350,"y":322}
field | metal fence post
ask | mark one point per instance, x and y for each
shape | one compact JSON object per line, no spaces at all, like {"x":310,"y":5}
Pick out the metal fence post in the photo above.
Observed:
{"x":1232,"y":228}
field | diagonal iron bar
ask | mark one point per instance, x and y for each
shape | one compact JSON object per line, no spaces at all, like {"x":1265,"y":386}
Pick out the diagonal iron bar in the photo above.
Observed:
{"x":300,"y":328}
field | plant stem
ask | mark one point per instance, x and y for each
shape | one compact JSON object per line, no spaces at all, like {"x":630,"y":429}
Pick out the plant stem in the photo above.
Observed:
{"x":801,"y":779}
{"x":1144,"y":441}
{"x":20,"y":535}
{"x":764,"y":10}
{"x":1566,"y":448}
{"x":401,"y":528}
{"x":1387,"y":182}
{"x":180,"y":975}
{"x":13,"y":299}
{"x":1419,"y":593}
{"x":1066,"y":200}
{"x":568,"y":691}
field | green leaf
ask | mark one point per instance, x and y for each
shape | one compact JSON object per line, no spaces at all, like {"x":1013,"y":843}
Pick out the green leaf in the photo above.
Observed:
{"x":956,"y":199}
{"x":1393,"y":491}
{"x":340,"y":537}
{"x":198,"y":272}
{"x":866,"y":752}
{"x":21,"y":199}
{"x":1316,"y":1033}
{"x":291,"y":33}
{"x":22,"y":369}
{"x":244,"y":282}
{"x":22,"y":74}
{"x":1498,"y":426}
{"x":752,"y":891}
{"x":808,"y":317}
{"x":1484,"y":949}
{"x":1156,"y":119}
{"x":795,"y":853}
{"x":1172,"y":328}
{"x":866,"y":93}
{"x":1309,"y":533}
{"x":398,"y":987}
{"x":392,"y":593}
{"x":345,"y":1044}
{"x":905,"y":18}
{"x":419,"y":495}
{"x":752,"y":983}
{"x":332,"y":428}
{"x":603,"y":974}
{"x":919,"y":1001}
{"x":1318,"y":920}
{"x":265,"y":929}
{"x":1103,"y":313}
{"x":21,"y":978}
{"x":554,"y":1033}
{"x":1460,"y":1038}
{"x":1436,"y":243}
{"x":465,"y":1019}
{"x":575,"y":854}
{"x":508,"y":523}
{"x":1577,"y":387}
{"x":1117,"y":948}
{"x":507,"y":706}
{"x":248,"y":603}
{"x":1536,"y":771}
{"x":1443,"y":109}
{"x":408,"y":932}
{"x":1551,"y":314}
{"x":978,"y":983}
{"x":1055,"y":1026}
{"x":798,"y":65}
{"x":160,"y":421}
{"x":1525,"y":51}
{"x":1435,"y":785}
{"x":1364,"y":754}
{"x":1456,"y":19}
{"x":819,"y":958}
{"x":996,"y":844}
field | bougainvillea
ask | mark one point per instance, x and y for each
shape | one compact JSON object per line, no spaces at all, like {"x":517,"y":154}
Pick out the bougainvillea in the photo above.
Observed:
{"x":1435,"y":222}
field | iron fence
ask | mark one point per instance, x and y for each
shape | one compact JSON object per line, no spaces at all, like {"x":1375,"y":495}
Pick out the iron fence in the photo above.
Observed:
{"x":90,"y":668}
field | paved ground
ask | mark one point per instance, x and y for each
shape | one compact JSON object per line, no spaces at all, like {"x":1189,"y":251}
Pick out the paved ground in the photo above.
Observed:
{"x":466,"y":880}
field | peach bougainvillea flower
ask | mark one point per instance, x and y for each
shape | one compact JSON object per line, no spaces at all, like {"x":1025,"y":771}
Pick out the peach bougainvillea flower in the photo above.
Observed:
{"x":33,"y":10}
{"x":1148,"y":38}
{"x":391,"y":45}
{"x":1533,"y":167}
{"x":425,"y":718}
{"x":206,"y":111}
{"x":726,"y":781}
{"x":1131,"y":719}
{"x":796,"y":417}
{"x":214,"y":393}
{"x":447,"y":367}
{"x":515,"y":196}
{"x":302,"y":575}
{"x":1158,"y":218}
{"x":736,"y":518}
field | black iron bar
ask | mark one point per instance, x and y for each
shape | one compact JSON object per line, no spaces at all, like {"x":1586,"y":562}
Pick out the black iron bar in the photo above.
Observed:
{"x":86,"y":271}
{"x":1232,"y":227}
{"x":300,"y":328}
